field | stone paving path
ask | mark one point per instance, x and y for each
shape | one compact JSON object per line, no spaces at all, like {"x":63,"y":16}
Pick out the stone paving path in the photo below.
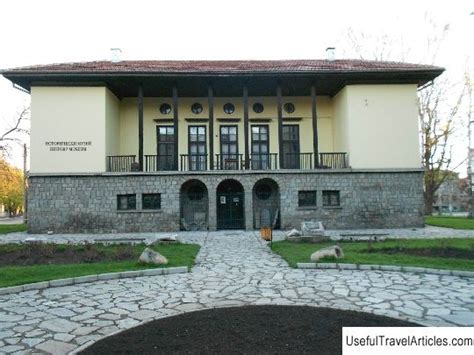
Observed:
{"x":233,"y":269}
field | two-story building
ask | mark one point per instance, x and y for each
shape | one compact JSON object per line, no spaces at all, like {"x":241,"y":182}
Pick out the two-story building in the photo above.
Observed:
{"x":168,"y":145}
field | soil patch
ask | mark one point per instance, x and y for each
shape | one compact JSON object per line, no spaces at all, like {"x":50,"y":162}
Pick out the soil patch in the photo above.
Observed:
{"x":434,"y":252}
{"x":251,"y":329}
{"x":37,"y":254}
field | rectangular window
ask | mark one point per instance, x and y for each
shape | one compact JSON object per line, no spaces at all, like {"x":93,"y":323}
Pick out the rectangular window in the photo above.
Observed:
{"x":197,"y":148}
{"x":331,"y":198}
{"x":229,"y":159}
{"x":291,"y":146}
{"x":165,"y":148}
{"x":260,"y":157}
{"x":151,"y":201}
{"x":307,"y":198}
{"x":126,"y":202}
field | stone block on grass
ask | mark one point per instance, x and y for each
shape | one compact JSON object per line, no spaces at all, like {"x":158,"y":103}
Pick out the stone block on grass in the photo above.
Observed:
{"x":334,"y":251}
{"x":150,"y":256}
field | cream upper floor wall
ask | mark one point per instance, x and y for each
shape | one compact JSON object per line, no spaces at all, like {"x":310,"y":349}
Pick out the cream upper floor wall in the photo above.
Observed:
{"x":375,"y":124}
{"x":378,"y":125}
{"x":68,"y":128}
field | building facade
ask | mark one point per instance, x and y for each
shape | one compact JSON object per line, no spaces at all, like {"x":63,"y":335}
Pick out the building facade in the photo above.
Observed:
{"x":163,"y":145}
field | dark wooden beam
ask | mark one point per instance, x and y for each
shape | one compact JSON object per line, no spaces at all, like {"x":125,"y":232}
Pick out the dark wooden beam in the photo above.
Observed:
{"x":260,"y":120}
{"x":140,"y":127}
{"x":280,"y":125}
{"x":292,"y":119}
{"x":228,"y":120}
{"x":315,"y":127}
{"x":197,"y":120}
{"x":246,"y":127}
{"x":175,"y":125}
{"x":210,"y":98}
{"x":163,"y":120}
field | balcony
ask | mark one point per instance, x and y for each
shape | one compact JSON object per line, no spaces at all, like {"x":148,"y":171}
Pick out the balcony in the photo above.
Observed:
{"x":263,"y":161}
{"x":229,"y":162}
{"x":121,"y":163}
{"x":193,"y":162}
{"x":199,"y":162}
{"x":159,"y":163}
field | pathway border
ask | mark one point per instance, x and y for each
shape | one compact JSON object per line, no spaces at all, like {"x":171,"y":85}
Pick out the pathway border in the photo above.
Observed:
{"x":375,"y":267}
{"x":91,"y":278}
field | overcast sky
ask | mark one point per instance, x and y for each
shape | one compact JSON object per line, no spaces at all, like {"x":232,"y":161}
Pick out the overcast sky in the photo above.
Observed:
{"x":46,"y":31}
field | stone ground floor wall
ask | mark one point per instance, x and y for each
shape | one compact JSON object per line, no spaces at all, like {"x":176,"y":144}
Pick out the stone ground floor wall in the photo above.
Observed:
{"x":88,"y":203}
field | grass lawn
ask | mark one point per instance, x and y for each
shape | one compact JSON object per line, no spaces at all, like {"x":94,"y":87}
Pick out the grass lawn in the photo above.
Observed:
{"x":177,"y":254}
{"x":356,"y":253}
{"x":450,"y":222}
{"x":9,"y":228}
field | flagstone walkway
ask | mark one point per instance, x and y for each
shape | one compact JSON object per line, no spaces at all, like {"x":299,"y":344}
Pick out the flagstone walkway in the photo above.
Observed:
{"x":233,"y":269}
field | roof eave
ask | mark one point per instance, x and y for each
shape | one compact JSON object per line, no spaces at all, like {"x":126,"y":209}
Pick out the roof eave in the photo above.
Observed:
{"x":420,"y":77}
{"x":435,"y":71}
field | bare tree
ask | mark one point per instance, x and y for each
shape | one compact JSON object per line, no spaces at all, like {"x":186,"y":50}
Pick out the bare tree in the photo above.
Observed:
{"x":470,"y":161}
{"x":380,"y":46}
{"x":437,"y":126}
{"x":15,"y":131}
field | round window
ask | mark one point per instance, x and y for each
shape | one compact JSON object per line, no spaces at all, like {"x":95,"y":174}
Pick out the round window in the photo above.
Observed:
{"x":257,"y":107}
{"x":229,"y":108}
{"x":165,"y":108}
{"x":196,"y":108}
{"x":263,"y":191}
{"x":289,"y":107}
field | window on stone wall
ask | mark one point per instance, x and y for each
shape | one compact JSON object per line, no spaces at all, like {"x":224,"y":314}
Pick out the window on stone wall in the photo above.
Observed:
{"x":331,"y":198}
{"x":151,"y":201}
{"x":307,"y":198}
{"x":126,"y":202}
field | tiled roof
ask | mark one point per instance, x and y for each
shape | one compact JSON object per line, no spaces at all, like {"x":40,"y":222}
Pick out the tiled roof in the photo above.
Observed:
{"x":234,"y":66}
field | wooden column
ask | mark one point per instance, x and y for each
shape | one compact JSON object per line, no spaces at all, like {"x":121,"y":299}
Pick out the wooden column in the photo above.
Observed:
{"x":175,"y":126}
{"x":210,"y":98}
{"x":280,"y":126}
{"x":246,"y":127}
{"x":140,"y":127}
{"x":315,"y":127}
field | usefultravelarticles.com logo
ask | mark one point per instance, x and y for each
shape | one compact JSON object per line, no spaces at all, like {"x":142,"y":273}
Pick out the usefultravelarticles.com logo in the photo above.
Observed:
{"x":407,"y":340}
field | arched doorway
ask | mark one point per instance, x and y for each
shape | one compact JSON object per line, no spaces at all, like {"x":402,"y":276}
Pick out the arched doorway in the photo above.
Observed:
{"x":266,"y":203}
{"x":194,"y":206}
{"x":230,"y":205}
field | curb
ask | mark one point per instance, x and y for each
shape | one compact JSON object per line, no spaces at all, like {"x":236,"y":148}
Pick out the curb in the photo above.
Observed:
{"x":368,"y":267}
{"x":91,"y":278}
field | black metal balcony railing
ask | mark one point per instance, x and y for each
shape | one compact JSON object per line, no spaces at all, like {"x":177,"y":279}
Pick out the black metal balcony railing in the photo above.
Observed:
{"x":303,"y":161}
{"x":263,"y":161}
{"x":120,"y":163}
{"x":337,"y":160}
{"x":198,"y":162}
{"x":160,"y":163}
{"x":193,"y":162}
{"x":229,"y":162}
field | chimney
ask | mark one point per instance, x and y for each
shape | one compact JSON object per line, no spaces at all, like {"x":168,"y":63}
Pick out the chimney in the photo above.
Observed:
{"x":116,"y":55}
{"x":331,"y":53}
